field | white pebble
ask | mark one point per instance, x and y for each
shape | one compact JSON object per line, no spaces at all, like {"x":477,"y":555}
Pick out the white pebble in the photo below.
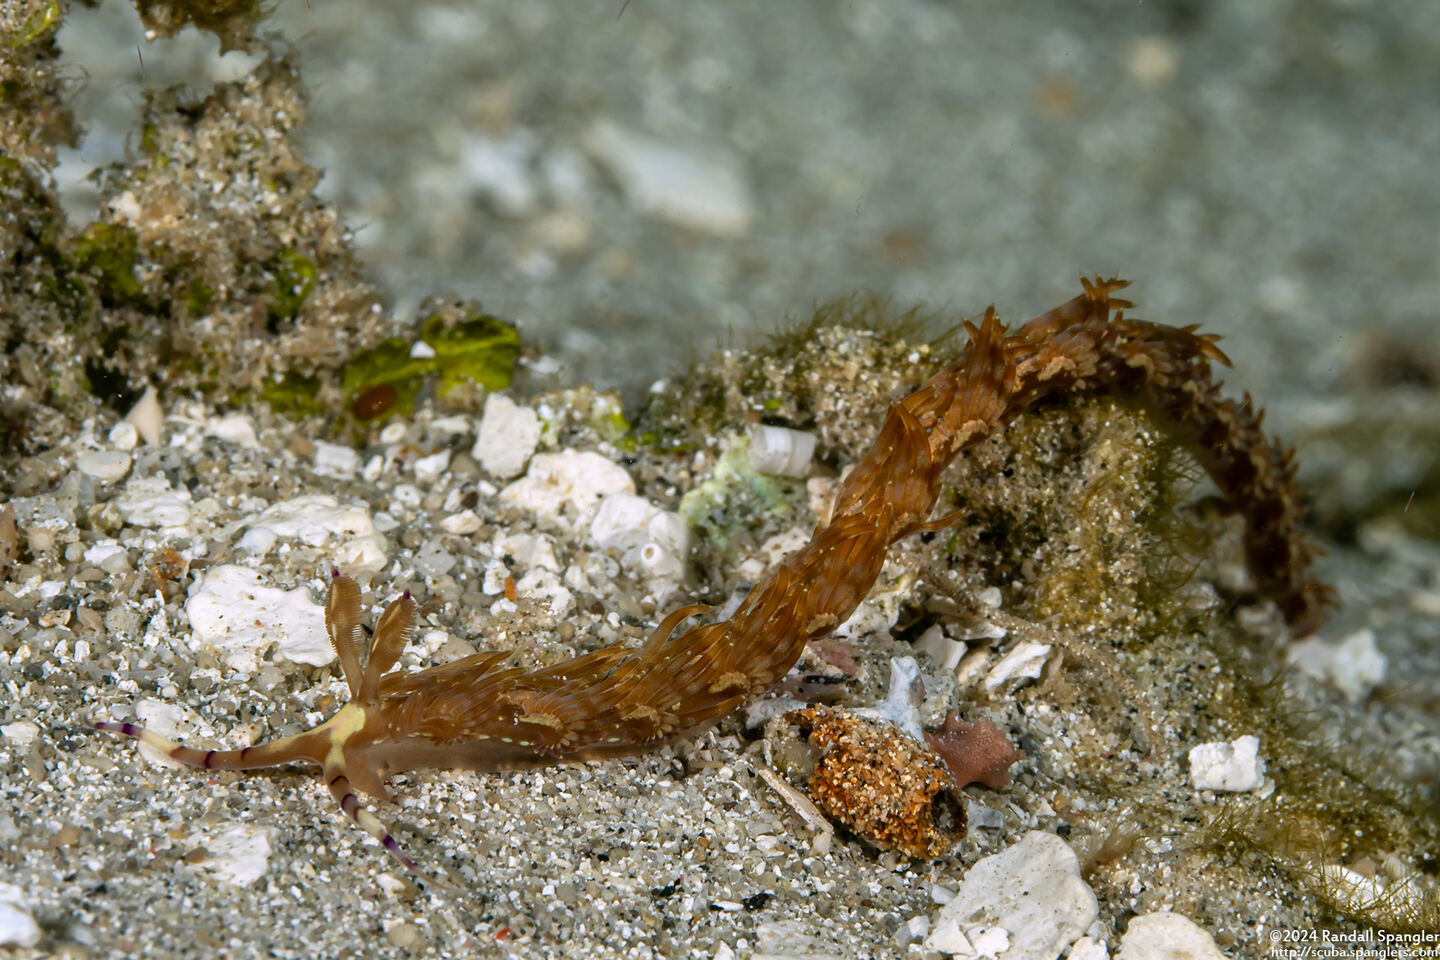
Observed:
{"x":320,"y":520}
{"x":235,"y":614}
{"x":420,"y":350}
{"x":493,"y":583}
{"x":780,"y":450}
{"x":529,"y":550}
{"x":21,"y":732}
{"x":541,"y":583}
{"x":17,"y":927}
{"x":104,"y":465}
{"x":508,"y":436}
{"x":103,"y":550}
{"x":443,"y":428}
{"x":702,"y":188}
{"x":236,"y":429}
{"x":393,"y":432}
{"x":239,"y":853}
{"x":461,"y":524}
{"x":1032,"y":892}
{"x":433,"y":560}
{"x":124,"y":436}
{"x":335,"y":460}
{"x":1234,"y":766}
{"x":407,"y":495}
{"x":432,"y":468}
{"x":1354,"y":666}
{"x":1088,"y":949}
{"x":257,"y":540}
{"x":569,"y":478}
{"x":150,"y":502}
{"x":1166,"y":936}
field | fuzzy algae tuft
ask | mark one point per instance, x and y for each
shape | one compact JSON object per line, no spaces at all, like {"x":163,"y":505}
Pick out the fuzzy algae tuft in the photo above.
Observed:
{"x":211,"y":268}
{"x":460,"y":344}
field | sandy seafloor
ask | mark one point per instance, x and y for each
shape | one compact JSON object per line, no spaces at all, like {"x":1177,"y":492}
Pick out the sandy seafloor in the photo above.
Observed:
{"x":1266,"y":171}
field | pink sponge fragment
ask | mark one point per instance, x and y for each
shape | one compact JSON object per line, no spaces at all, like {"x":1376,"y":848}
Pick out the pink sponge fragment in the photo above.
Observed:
{"x":975,"y":752}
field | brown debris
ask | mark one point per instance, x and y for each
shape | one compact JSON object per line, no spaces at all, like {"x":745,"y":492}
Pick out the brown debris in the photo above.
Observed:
{"x":976,"y":752}
{"x":881,"y":783}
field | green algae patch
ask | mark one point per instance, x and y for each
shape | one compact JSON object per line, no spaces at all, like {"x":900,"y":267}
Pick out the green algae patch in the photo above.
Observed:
{"x":480,"y":349}
{"x":41,"y":21}
{"x":294,"y":281}
{"x":110,"y":252}
{"x":293,"y":394}
{"x":734,"y":496}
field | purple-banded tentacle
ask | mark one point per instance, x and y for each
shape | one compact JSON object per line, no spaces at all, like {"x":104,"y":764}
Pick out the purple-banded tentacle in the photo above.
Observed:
{"x":300,"y":747}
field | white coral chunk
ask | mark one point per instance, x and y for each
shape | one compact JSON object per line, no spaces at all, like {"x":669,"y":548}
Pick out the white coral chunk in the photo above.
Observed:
{"x":235,"y":614}
{"x":1234,"y":766}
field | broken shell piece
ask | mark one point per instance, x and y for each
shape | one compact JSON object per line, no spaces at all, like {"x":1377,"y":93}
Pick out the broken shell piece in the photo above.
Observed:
{"x":780,"y":450}
{"x":888,"y":789}
{"x":146,"y":416}
{"x":1024,"y":661}
{"x":901,"y":706}
{"x":945,"y":652}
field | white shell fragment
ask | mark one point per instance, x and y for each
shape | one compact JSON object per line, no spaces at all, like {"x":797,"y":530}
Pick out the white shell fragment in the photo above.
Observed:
{"x":151,"y":502}
{"x":235,"y":428}
{"x":233,"y":613}
{"x":945,"y":652}
{"x":432,"y":468}
{"x":124,"y":436}
{"x":1167,"y":936}
{"x":1024,"y":661}
{"x":22,"y":733}
{"x":508,"y":436}
{"x":146,"y":416}
{"x":1234,"y":766}
{"x":529,"y":550}
{"x":104,"y":465}
{"x":780,"y":450}
{"x":239,"y":853}
{"x":461,"y":524}
{"x":318,"y":520}
{"x":1354,"y":666}
{"x":901,"y":706}
{"x":1032,"y":892}
{"x":1088,"y":949}
{"x":645,"y":537}
{"x":335,"y":460}
{"x":568,"y":478}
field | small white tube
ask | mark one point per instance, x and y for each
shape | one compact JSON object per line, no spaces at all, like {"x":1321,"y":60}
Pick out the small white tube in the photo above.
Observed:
{"x":780,"y":450}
